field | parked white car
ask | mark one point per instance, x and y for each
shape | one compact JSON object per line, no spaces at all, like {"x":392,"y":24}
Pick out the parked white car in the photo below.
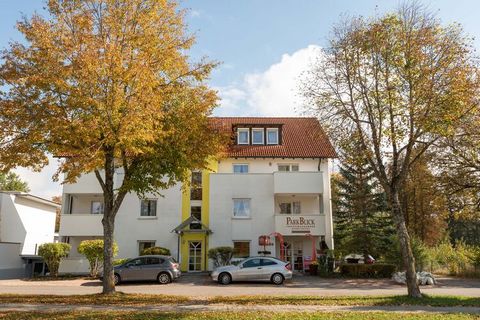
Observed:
{"x":254,"y":269}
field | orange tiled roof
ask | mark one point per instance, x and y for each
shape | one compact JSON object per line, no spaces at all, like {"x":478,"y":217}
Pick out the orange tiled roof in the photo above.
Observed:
{"x":300,"y":138}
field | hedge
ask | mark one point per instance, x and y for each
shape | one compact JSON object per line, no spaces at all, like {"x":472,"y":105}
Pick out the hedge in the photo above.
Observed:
{"x":155,"y":251}
{"x":375,"y":270}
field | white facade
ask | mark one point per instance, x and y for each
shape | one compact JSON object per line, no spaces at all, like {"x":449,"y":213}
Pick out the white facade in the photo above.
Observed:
{"x":26,"y":219}
{"x":26,"y":222}
{"x":292,"y":208}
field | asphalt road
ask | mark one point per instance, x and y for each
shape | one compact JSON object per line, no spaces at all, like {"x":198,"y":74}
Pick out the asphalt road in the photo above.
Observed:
{"x":202,"y":286}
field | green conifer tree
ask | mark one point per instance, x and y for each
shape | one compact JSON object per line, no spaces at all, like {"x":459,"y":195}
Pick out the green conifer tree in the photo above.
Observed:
{"x":362,"y":221}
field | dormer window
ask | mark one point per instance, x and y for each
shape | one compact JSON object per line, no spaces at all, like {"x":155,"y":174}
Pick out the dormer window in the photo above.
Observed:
{"x":257,"y":136}
{"x":272,"y":135}
{"x":243,"y":136}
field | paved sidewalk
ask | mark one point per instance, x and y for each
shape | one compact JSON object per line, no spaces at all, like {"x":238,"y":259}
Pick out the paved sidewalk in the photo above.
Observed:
{"x":199,"y":286}
{"x":234,"y":308}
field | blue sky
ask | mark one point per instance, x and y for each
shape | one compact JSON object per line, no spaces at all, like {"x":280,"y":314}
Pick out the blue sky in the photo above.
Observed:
{"x":263,"y":45}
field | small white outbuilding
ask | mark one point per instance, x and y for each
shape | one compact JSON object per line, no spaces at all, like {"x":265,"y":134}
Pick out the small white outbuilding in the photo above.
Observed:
{"x":26,"y":222}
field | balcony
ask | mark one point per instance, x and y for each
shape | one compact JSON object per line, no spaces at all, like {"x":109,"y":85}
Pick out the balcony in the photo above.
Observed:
{"x":300,"y":224}
{"x":81,"y":225}
{"x":298,"y":182}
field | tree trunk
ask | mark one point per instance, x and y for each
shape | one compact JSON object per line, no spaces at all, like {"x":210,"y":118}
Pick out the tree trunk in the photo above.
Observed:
{"x":108,"y":222}
{"x":405,"y":247}
{"x":108,"y":228}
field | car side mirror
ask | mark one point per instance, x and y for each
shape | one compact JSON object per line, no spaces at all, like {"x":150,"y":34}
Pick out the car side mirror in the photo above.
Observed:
{"x":240,"y":266}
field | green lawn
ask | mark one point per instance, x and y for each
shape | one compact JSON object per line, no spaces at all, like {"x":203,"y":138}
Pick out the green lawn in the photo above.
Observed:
{"x":144,"y":299}
{"x":231,"y":316}
{"x":437,"y":301}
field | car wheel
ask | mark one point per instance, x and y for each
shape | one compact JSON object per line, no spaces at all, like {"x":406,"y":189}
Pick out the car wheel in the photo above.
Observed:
{"x":277,"y":279}
{"x":224,"y":278}
{"x":164,"y":278}
{"x":116,"y":279}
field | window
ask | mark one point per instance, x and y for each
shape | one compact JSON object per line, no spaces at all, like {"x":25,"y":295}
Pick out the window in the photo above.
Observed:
{"x":252,"y":263}
{"x":241,"y":208}
{"x":290,"y":207}
{"x":257,"y":136}
{"x":142,"y":245}
{"x":148,"y":208}
{"x":136,"y":262}
{"x":288,"y":167}
{"x":153,"y":260}
{"x":272,"y":136}
{"x":196,"y":211}
{"x":96,"y":207}
{"x":268,"y":262}
{"x":243,"y":136}
{"x":196,"y":187}
{"x":240,"y":168}
{"x":241,"y":249}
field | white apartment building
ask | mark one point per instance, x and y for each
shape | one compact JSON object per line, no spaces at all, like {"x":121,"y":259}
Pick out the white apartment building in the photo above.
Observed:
{"x":269,"y":194}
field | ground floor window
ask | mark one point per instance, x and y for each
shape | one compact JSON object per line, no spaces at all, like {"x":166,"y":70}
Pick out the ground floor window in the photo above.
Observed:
{"x":145,"y":244}
{"x":194,"y":256}
{"x":241,"y":249}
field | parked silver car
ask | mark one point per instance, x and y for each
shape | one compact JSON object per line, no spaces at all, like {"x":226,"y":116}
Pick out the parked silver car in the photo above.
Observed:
{"x":163,"y":269}
{"x":254,"y":269}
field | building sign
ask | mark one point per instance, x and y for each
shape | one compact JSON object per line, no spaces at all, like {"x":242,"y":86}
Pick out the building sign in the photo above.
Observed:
{"x":300,"y":224}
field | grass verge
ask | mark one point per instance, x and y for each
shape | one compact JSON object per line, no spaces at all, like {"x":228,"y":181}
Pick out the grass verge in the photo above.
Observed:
{"x":150,"y":299}
{"x":95,"y":299}
{"x":231,"y":316}
{"x":399,"y":300}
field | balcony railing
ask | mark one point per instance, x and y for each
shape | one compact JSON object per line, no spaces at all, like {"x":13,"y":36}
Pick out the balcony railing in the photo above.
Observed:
{"x":81,"y":225}
{"x":298,"y":182}
{"x":300,"y":224}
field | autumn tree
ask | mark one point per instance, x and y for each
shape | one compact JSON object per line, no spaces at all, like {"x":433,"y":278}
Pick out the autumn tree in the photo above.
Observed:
{"x":424,"y":203}
{"x":399,"y":82}
{"x":10,"y":181}
{"x":109,"y":87}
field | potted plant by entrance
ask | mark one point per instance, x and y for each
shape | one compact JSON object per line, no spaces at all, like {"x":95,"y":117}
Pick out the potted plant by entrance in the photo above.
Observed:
{"x":313,"y":268}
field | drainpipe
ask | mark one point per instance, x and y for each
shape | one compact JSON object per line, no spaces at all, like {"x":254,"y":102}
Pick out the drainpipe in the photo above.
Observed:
{"x":178,"y":248}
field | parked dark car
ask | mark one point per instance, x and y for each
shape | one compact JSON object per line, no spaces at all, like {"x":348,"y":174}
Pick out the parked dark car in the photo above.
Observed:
{"x":163,"y":269}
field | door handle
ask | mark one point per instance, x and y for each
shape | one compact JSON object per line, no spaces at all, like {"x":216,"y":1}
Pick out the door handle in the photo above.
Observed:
{"x":259,"y":268}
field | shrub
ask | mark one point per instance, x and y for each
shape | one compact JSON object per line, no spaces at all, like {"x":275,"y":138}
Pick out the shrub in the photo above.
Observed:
{"x":93,"y":251}
{"x":52,"y":254}
{"x":155,"y":251}
{"x":419,"y":250}
{"x":221,"y":256}
{"x":118,"y":262}
{"x":376,"y":270}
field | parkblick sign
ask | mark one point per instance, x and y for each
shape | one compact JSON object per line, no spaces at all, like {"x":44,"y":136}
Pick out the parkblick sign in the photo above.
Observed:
{"x":299,"y":224}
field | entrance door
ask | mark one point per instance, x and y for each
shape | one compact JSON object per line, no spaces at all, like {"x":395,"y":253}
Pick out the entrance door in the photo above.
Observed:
{"x":293,"y":253}
{"x":194,"y":256}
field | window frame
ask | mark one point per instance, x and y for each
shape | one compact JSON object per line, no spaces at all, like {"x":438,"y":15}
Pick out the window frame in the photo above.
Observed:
{"x":149,"y":206}
{"x":277,"y":131}
{"x":290,"y":167}
{"x":262,"y":131}
{"x":240,"y":164}
{"x":292,"y":206}
{"x":247,"y":242}
{"x":239,"y":130}
{"x":102,"y":207}
{"x":249,"y":214}
{"x":139,"y":242}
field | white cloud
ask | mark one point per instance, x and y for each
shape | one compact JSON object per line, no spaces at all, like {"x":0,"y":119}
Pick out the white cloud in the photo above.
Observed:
{"x":41,"y":183}
{"x":273,"y":92}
